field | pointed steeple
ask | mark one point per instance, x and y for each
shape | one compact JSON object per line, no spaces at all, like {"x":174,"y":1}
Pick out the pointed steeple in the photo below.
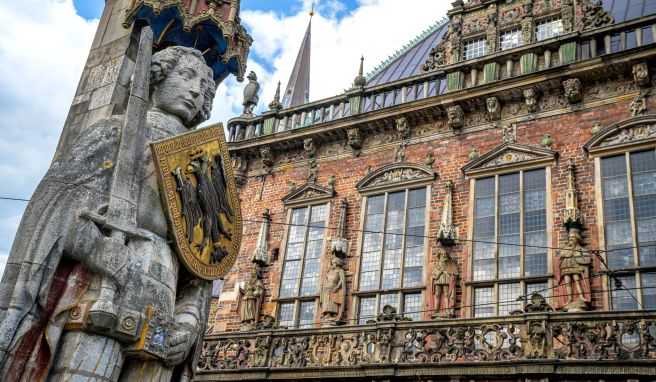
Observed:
{"x":298,"y":87}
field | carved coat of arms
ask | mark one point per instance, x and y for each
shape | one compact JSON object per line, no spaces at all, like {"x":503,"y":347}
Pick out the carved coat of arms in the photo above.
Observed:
{"x":200,"y":198}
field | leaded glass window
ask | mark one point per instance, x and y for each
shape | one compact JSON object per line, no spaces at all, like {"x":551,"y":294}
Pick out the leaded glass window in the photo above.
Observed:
{"x":474,"y":49}
{"x":629,"y":193}
{"x":393,"y":253}
{"x":548,"y":29}
{"x":509,"y":240}
{"x":510,"y":39}
{"x":300,"y":275}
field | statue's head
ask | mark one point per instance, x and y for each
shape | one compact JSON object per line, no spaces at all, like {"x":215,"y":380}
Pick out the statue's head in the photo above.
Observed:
{"x":252,"y":76}
{"x":181,"y":84}
{"x":574,"y":239}
{"x":337,"y":263}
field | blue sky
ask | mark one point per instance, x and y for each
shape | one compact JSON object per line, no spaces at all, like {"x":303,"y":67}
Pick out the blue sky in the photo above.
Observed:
{"x":36,"y":93}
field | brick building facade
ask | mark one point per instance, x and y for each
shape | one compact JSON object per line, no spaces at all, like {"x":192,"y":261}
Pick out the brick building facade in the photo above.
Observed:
{"x":462,"y":167}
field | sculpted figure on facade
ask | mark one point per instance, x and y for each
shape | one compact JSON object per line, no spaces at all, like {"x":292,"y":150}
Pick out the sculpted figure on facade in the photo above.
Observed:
{"x":567,"y":15}
{"x":354,"y":140}
{"x":638,"y":106}
{"x":250,"y":94}
{"x":531,"y":97}
{"x":62,"y":262}
{"x":251,"y":298}
{"x":310,"y":148}
{"x":456,"y":117}
{"x":333,"y":294}
{"x":266,"y":155}
{"x":573,"y":91}
{"x":399,"y":155}
{"x":641,"y":75}
{"x":493,"y":108}
{"x":593,"y":15}
{"x":444,"y":278}
{"x":572,"y":274}
{"x":402,"y":128}
{"x":491,"y":32}
{"x":509,"y":133}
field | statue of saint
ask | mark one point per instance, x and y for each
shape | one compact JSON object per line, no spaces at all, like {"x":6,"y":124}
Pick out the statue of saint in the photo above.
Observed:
{"x":444,"y":277}
{"x":252,"y":296}
{"x":60,"y":258}
{"x":572,"y":274}
{"x":333,"y":294}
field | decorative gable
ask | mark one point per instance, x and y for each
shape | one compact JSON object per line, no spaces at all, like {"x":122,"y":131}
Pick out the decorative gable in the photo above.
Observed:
{"x":396,"y":175}
{"x":636,"y":132}
{"x":509,"y":157}
{"x":308,"y":193}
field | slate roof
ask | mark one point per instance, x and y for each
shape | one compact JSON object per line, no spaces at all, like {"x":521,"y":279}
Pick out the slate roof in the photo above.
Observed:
{"x":407,"y":63}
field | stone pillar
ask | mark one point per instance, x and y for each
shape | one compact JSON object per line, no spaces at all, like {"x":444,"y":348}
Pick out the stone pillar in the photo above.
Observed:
{"x":104,"y":84}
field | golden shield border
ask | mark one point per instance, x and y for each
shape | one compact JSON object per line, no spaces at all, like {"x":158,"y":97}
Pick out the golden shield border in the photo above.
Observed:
{"x":162,"y":152}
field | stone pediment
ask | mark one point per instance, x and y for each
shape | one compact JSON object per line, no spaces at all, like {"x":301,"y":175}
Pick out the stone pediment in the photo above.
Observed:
{"x":509,"y":156}
{"x":395,"y":175}
{"x":309,"y":193}
{"x":634,"y":132}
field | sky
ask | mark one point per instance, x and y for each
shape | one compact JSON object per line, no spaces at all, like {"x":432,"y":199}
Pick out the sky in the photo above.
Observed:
{"x":45,"y":44}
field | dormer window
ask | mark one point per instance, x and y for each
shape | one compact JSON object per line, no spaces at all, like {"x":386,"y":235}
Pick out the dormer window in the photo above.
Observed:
{"x":510,"y":39}
{"x":474,"y":49}
{"x":548,"y":29}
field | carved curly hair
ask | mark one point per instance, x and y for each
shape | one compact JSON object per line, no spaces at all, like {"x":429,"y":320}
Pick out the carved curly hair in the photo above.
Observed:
{"x":165,"y":61}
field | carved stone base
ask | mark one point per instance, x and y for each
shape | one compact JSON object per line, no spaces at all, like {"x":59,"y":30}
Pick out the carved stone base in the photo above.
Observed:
{"x":330,"y":323}
{"x":247,"y":327}
{"x":442,"y":315}
{"x":577,"y":306}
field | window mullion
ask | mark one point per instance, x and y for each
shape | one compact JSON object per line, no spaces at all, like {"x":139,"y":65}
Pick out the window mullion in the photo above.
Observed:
{"x":497,"y":199}
{"x":521,"y":225}
{"x":306,"y":231}
{"x":634,"y":223}
{"x":382,"y":243}
{"x":403,"y":239}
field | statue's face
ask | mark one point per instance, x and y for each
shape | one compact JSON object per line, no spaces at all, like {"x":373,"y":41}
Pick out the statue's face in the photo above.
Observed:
{"x":573,"y":240}
{"x":182,"y":92}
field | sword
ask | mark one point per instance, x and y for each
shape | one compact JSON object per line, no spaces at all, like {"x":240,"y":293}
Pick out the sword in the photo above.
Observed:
{"x":121,"y":216}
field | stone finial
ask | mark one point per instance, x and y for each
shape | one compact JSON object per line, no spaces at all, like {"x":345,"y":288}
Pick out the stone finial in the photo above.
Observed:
{"x":261,"y":253}
{"x":641,"y":75}
{"x":456,"y":117}
{"x":354,"y":139}
{"x":493,"y":108}
{"x":509,"y":133}
{"x":339,"y":245}
{"x":572,"y":217}
{"x":250,"y":94}
{"x":447,"y":232}
{"x":474,"y":154}
{"x":596,"y":128}
{"x":593,"y":15}
{"x":275,"y":104}
{"x":360,"y":80}
{"x":573,"y":91}
{"x":638,"y":106}
{"x":547,"y":141}
{"x":531,"y":97}
{"x":430,"y":159}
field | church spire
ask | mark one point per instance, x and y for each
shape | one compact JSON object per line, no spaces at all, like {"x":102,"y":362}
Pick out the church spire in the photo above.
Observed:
{"x":298,"y":87}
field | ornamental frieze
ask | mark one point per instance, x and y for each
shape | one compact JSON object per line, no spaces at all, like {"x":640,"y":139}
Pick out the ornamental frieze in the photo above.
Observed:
{"x":396,"y":174}
{"x":638,"y":130}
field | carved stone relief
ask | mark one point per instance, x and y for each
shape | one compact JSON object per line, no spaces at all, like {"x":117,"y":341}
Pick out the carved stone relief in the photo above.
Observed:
{"x":593,"y":15}
{"x":509,"y":133}
{"x":402,"y":128}
{"x":493,"y":108}
{"x":631,"y":134}
{"x":399,"y":155}
{"x":397,"y":175}
{"x":641,"y":75}
{"x":531,"y":97}
{"x":573,"y":91}
{"x":638,"y":106}
{"x":510,"y":156}
{"x":447,"y":231}
{"x":455,"y":117}
{"x":266,"y":155}
{"x":310,"y":148}
{"x":354,"y":139}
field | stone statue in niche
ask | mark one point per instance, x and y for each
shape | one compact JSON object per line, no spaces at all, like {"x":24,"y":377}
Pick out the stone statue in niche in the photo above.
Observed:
{"x":444,"y":278}
{"x":66,"y":258}
{"x":493,"y":108}
{"x":456,"y":117}
{"x":333,"y":294}
{"x":573,"y":91}
{"x":250,"y":94}
{"x":641,"y":75}
{"x":531,"y":97}
{"x":250,"y":301}
{"x":402,"y":128}
{"x":354,"y":140}
{"x":573,"y":274}
{"x":491,"y":32}
{"x":638,"y":106}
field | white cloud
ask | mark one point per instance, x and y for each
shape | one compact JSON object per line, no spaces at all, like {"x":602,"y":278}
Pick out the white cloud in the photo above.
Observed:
{"x":45,"y":45}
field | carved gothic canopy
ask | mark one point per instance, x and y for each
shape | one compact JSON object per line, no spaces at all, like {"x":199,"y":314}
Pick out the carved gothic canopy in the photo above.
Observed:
{"x":636,"y":132}
{"x":509,"y":156}
{"x":396,"y":175}
{"x":308,"y":193}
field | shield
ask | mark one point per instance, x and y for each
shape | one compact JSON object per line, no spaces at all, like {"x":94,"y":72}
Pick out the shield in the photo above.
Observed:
{"x":200,"y":198}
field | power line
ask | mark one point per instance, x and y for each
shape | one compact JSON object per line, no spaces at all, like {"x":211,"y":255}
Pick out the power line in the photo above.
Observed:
{"x":14,"y":199}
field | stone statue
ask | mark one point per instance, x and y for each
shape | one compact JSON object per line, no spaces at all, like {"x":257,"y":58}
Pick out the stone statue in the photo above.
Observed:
{"x":573,"y":91}
{"x":252,"y":296}
{"x":402,"y":128}
{"x":456,"y":117}
{"x":641,"y":75}
{"x":333,"y":294}
{"x":638,"y":106}
{"x":509,"y":133}
{"x":354,"y":140}
{"x":444,"y":277}
{"x":493,"y":108}
{"x":572,"y":274}
{"x":250,"y":94}
{"x":531,"y":97}
{"x":61,"y":258}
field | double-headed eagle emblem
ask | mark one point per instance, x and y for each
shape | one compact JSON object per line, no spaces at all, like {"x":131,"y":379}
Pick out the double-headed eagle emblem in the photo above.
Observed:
{"x":201,"y":200}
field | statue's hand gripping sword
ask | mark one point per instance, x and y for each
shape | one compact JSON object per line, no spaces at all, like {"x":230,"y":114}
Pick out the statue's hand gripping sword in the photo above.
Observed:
{"x":121,"y":217}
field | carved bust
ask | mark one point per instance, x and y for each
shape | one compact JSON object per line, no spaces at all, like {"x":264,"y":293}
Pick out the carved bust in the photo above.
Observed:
{"x":493,"y":108}
{"x":402,"y":128}
{"x":573,"y":90}
{"x":456,"y":117}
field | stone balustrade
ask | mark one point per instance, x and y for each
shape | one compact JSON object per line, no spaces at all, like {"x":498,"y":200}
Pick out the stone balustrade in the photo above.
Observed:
{"x":545,"y":340}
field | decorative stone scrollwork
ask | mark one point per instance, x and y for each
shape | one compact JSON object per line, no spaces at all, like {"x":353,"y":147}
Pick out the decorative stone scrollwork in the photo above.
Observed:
{"x":593,"y":15}
{"x":396,"y":174}
{"x":641,"y":75}
{"x":456,"y":118}
{"x":509,"y":133}
{"x":536,"y":304}
{"x":354,"y":139}
{"x":567,"y":15}
{"x":537,"y":340}
{"x":493,"y":108}
{"x":389,"y":314}
{"x":573,"y":91}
